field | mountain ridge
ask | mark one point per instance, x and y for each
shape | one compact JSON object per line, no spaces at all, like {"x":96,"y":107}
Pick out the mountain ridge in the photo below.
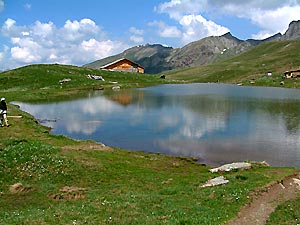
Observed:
{"x":156,"y":58}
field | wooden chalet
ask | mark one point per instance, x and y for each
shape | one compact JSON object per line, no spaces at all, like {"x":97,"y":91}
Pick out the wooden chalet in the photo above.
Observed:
{"x":292,"y":74}
{"x":123,"y":65}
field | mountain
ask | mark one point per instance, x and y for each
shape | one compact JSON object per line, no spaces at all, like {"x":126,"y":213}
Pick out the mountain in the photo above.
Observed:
{"x":157,"y":58}
{"x":202,"y":52}
{"x":249,"y":68}
{"x":293,"y":32}
{"x":151,"y":57}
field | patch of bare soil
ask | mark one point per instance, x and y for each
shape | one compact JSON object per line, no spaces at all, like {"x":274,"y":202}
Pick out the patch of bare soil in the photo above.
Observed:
{"x":87,"y":146}
{"x":18,"y":188}
{"x":266,"y":200}
{"x":69,"y":193}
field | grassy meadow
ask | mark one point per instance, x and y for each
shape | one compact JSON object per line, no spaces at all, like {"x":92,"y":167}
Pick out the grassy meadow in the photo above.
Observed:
{"x":41,"y":82}
{"x":49,"y":179}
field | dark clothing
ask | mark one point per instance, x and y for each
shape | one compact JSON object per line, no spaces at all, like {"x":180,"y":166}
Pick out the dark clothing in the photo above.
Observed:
{"x":3,"y":105}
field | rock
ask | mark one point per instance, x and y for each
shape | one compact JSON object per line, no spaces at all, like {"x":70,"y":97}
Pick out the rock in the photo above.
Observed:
{"x":264,"y":163}
{"x":167,"y":181}
{"x":293,"y":31}
{"x":64,"y":80}
{"x":215,"y":181}
{"x":116,"y":88}
{"x":95,"y":77}
{"x":232,"y":166}
{"x":297,"y":182}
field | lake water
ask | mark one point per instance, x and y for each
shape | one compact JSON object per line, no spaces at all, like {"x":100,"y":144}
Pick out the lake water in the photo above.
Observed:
{"x":217,"y":123}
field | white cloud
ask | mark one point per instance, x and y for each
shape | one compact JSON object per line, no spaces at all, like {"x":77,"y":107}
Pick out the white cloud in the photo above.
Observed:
{"x":8,"y":25}
{"x":236,"y":5}
{"x":283,"y":16}
{"x":165,"y":30}
{"x":3,"y":54}
{"x":137,"y":35}
{"x":192,"y":25}
{"x":176,"y":9}
{"x":43,"y":30}
{"x":196,"y":27}
{"x":77,"y":43}
{"x":271,"y":16}
{"x":27,"y":50}
{"x":136,"y":31}
{"x":136,"y":39}
{"x":99,"y":49}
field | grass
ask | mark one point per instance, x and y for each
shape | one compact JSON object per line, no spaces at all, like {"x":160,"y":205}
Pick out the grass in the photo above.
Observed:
{"x":249,"y":67}
{"x":287,"y":213}
{"x":107,"y":185}
{"x":41,"y":82}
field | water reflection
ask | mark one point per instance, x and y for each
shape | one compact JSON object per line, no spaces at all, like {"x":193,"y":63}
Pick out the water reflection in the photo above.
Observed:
{"x":217,"y":123}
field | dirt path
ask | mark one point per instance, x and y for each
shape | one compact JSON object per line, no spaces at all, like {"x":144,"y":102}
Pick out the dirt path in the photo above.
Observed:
{"x":266,"y":200}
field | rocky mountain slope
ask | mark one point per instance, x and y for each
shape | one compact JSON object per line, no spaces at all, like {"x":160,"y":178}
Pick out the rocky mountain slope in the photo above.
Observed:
{"x":157,"y":58}
{"x":293,"y":32}
{"x":249,"y":68}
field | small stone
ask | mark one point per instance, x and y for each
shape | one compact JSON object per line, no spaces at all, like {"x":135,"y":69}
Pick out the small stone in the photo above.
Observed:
{"x":116,"y":88}
{"x":215,"y":181}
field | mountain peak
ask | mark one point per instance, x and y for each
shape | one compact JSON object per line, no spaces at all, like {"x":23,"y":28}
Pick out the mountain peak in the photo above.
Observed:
{"x":295,"y":22}
{"x":228,"y":35}
{"x":293,"y":32}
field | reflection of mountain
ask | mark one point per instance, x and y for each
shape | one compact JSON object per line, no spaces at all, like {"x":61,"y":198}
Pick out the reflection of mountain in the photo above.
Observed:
{"x":229,"y":106}
{"x":289,"y":111}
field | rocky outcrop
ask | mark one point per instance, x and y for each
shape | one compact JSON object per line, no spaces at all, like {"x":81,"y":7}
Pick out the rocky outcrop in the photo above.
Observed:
{"x":293,"y":32}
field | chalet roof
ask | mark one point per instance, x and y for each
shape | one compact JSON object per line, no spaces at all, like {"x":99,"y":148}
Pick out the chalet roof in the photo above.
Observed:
{"x":119,"y":60}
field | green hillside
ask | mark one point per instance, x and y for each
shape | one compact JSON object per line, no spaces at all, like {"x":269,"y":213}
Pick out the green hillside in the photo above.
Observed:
{"x":252,"y":66}
{"x":41,"y":82}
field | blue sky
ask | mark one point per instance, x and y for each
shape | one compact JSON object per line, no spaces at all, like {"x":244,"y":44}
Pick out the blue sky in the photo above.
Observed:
{"x":80,"y":31}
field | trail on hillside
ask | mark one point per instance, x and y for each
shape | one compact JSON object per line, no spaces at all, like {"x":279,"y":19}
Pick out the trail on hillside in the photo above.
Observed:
{"x":266,"y":200}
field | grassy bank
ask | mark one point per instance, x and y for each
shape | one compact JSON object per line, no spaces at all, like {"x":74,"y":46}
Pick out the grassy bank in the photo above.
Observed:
{"x":64,"y":181}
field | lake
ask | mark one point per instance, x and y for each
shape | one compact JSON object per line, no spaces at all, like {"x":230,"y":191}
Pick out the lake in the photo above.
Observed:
{"x":217,"y":123}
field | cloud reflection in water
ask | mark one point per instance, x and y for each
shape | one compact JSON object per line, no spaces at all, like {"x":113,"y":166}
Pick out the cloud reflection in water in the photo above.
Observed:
{"x":217,"y":123}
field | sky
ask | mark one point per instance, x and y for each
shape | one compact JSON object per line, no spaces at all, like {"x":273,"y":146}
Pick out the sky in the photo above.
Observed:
{"x":77,"y":32}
